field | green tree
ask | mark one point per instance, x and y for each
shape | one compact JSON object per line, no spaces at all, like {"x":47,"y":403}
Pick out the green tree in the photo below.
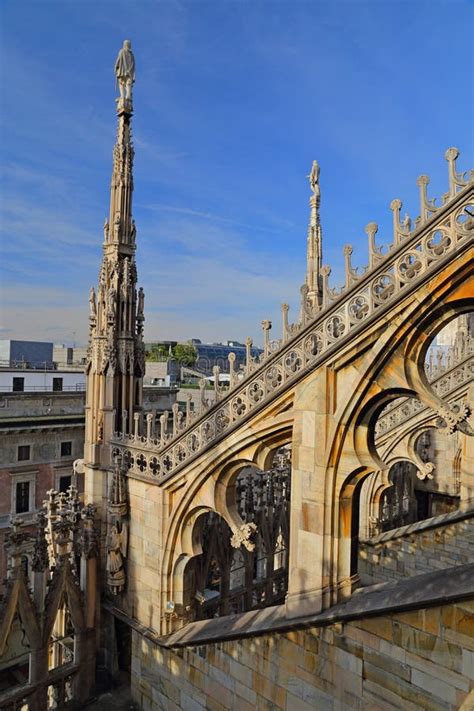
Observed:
{"x":185,"y":354}
{"x":156,"y":353}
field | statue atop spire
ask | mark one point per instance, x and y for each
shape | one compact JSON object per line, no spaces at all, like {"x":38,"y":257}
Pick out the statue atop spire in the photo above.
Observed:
{"x":125,"y":70}
{"x":314,"y":248}
{"x":314,"y":178}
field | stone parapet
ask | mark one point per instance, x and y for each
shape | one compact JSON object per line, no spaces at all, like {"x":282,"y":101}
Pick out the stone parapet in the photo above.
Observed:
{"x":415,"y":660}
{"x":434,"y":544}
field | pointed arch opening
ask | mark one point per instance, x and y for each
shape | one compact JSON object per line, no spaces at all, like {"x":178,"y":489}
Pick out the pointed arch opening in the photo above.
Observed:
{"x":245,"y":568}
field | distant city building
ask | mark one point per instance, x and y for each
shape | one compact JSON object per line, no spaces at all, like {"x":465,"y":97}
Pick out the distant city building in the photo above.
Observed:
{"x":30,"y":379}
{"x":211,"y":354}
{"x":208,"y":354}
{"x":164,"y":373}
{"x":69,"y":355}
{"x":31,"y":354}
{"x":41,"y":434}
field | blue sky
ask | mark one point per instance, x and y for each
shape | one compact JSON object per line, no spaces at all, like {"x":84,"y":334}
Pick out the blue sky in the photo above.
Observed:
{"x":233,"y":100}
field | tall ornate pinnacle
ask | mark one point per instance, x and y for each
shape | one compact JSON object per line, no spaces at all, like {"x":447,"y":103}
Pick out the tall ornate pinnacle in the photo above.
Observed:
{"x":314,"y":246}
{"x":116,"y":350}
{"x":119,"y":229}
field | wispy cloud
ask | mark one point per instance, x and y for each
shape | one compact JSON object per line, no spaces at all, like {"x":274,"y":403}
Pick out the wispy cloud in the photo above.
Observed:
{"x":211,"y":217}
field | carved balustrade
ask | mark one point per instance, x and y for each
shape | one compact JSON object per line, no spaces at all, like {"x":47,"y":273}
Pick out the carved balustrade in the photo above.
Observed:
{"x":414,"y":255}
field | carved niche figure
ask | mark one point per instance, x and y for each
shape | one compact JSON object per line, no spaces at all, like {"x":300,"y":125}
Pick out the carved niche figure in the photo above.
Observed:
{"x":106,"y":230}
{"x":117,"y":227}
{"x":92,"y":303}
{"x":133,"y":232}
{"x":112,"y":302}
{"x":116,"y":552}
{"x":141,"y":303}
{"x":125,"y":70}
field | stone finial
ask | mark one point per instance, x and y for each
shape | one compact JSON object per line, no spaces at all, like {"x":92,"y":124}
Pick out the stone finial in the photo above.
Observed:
{"x":266,"y":327}
{"x":285,"y":325}
{"x":62,"y":528}
{"x":306,"y":306}
{"x":163,"y":426}
{"x":399,"y":231}
{"x":232,"y":372}
{"x":457,"y":181}
{"x":375,"y":253}
{"x":325,"y":273}
{"x":350,"y":274}
{"x":216,"y":373}
{"x":202,"y":398}
{"x":427,"y":206}
{"x":248,"y":355}
{"x":189,"y":399}
{"x":177,"y":416}
{"x":136,"y":423}
{"x":150,"y":421}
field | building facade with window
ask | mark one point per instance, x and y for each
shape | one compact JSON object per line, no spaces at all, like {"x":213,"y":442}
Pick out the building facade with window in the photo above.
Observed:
{"x":41,"y":434}
{"x":31,"y":380}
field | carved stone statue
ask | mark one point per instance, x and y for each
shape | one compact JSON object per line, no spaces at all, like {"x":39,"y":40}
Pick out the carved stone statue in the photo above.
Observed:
{"x":112,"y":303}
{"x":92,"y":303}
{"x":314,"y":178}
{"x":141,"y":303}
{"x":117,"y":227}
{"x":106,"y":230}
{"x":116,"y":552}
{"x":125,"y":70}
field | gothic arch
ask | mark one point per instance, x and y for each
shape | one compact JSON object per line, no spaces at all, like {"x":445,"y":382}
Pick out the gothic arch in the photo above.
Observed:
{"x":397,"y":360}
{"x":210,"y":487}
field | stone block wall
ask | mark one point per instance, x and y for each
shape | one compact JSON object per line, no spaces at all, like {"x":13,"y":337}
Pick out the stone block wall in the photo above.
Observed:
{"x":413,"y":660}
{"x":417,"y":549}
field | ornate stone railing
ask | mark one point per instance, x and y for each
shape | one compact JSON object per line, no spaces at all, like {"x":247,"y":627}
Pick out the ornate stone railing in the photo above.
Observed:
{"x":415,"y":255}
{"x":447,"y":382}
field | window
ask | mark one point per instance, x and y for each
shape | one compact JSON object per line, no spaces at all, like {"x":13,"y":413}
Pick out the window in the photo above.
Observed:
{"x":18,"y":385}
{"x":66,"y":449}
{"x":64,"y":483}
{"x":22,"y":497}
{"x":24,"y":565}
{"x":57,"y":384}
{"x":23,"y":493}
{"x":23,"y":452}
